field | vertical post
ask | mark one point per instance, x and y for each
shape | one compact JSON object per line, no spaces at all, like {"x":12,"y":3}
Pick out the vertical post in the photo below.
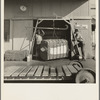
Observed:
{"x":33,"y":38}
{"x":73,"y":43}
{"x":12,"y":34}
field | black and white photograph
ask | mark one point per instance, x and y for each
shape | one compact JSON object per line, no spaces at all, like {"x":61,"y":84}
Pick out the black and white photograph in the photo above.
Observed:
{"x":50,"y":41}
{"x":49,"y":50}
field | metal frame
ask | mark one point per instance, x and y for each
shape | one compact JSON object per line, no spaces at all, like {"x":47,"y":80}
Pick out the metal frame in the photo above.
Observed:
{"x":36,"y":27}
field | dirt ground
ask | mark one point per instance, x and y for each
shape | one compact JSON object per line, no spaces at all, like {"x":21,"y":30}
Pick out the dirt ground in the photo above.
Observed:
{"x":89,"y":63}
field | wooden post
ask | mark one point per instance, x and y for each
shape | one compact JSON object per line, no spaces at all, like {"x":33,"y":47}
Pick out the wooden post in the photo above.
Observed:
{"x":33,"y":38}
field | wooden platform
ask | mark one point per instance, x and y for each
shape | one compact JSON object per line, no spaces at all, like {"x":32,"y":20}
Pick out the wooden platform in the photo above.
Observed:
{"x":40,"y":73}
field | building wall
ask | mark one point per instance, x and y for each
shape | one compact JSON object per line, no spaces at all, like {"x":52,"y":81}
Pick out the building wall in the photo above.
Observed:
{"x":22,"y":34}
{"x":93,"y":8}
{"x":46,"y":8}
{"x":84,"y":27}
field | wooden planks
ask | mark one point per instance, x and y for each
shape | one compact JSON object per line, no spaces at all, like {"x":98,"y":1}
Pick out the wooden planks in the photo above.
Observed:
{"x":66,"y":71}
{"x":52,"y":72}
{"x":24,"y":73}
{"x":17,"y":72}
{"x":39,"y":71}
{"x":72,"y":69}
{"x":10,"y":70}
{"x":32,"y":71}
{"x":46,"y":71}
{"x":60,"y":71}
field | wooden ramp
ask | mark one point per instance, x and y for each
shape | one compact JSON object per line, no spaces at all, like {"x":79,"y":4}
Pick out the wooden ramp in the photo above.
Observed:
{"x":40,"y":73}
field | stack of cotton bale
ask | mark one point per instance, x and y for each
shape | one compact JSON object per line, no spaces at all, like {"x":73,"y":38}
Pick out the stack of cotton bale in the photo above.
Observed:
{"x":16,"y":55}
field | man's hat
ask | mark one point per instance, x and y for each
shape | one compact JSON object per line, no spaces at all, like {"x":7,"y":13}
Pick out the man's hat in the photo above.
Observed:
{"x":76,"y":30}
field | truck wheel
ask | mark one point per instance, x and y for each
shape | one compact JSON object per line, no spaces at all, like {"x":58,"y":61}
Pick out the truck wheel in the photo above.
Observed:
{"x":85,"y":75}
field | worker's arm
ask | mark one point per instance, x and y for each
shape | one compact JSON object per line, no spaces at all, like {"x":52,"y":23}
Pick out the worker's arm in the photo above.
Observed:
{"x":43,"y":33}
{"x":79,"y":38}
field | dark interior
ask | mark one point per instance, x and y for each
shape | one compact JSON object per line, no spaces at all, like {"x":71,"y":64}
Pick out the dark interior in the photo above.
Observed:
{"x":54,"y":29}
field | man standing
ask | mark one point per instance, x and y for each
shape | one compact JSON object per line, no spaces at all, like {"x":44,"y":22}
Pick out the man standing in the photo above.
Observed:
{"x":79,"y":42}
{"x":39,"y":38}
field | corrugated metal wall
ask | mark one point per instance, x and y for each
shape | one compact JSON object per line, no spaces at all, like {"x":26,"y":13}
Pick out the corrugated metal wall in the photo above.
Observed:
{"x":46,"y":8}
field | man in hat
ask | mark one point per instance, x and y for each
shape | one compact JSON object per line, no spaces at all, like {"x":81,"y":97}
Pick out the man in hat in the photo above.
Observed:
{"x":80,"y":42}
